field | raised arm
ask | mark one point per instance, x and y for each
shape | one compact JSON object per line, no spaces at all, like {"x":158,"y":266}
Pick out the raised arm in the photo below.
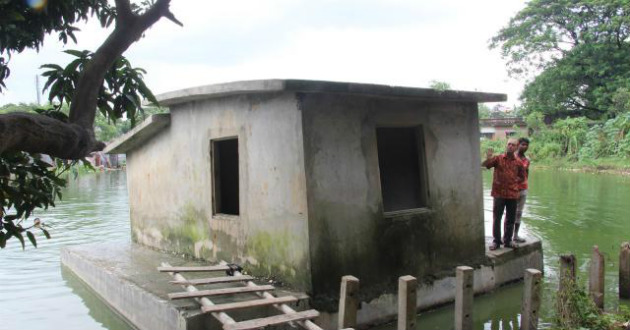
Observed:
{"x":489,"y":162}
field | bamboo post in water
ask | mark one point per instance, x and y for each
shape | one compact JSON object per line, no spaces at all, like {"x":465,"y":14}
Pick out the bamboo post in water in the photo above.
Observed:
{"x":531,"y":299}
{"x":348,"y":302}
{"x":407,"y":286}
{"x":624,"y":271}
{"x":596,"y":278}
{"x":567,"y":270}
{"x":464,"y":292}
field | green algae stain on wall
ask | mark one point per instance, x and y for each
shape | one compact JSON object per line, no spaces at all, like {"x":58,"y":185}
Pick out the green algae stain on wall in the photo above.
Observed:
{"x":189,"y":233}
{"x":276,"y":255}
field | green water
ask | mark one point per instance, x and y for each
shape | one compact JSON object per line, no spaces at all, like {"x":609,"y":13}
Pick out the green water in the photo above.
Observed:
{"x":569,"y":212}
{"x":36,"y":293}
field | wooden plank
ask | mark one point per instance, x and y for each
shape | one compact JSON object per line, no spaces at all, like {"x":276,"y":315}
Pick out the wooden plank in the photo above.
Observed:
{"x":567,"y":271}
{"x":194,"y":269}
{"x":624,"y":271}
{"x":272,"y":320}
{"x":531,"y":299}
{"x":407,"y":297}
{"x":464,"y":292}
{"x":214,"y":280}
{"x":348,"y":302}
{"x":248,"y":304}
{"x":596,"y":278}
{"x":220,"y":292}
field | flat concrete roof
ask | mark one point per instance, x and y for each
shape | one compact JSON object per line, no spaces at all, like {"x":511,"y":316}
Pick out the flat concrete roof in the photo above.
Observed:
{"x":139,"y":134}
{"x":314,"y":86}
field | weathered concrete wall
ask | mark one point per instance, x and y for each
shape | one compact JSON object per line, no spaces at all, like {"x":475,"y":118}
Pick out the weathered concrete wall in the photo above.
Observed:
{"x":349,"y":233}
{"x":170,"y":186}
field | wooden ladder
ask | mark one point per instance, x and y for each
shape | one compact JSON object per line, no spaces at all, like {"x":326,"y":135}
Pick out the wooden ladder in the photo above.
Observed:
{"x":246,"y":285}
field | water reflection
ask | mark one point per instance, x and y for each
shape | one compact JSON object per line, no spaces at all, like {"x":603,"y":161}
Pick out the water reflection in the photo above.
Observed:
{"x":34,"y":295}
{"x":98,"y":310}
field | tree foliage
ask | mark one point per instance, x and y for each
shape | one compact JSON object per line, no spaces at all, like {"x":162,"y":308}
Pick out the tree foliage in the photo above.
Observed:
{"x":439,"y":85}
{"x":25,"y":27}
{"x":102,"y":80}
{"x":579,"y":48}
{"x":121,"y":93}
{"x":26,"y":183}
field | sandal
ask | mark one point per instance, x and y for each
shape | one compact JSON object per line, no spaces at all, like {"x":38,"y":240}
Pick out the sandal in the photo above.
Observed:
{"x":510,"y":245}
{"x":519,"y":239}
{"x":494,"y":246}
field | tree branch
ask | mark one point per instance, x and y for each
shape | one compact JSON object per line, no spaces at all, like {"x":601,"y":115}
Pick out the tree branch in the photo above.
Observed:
{"x":84,"y":100}
{"x":129,"y":28}
{"x":123,"y":11}
{"x":585,"y":107}
{"x":37,"y":133}
{"x":74,"y":140}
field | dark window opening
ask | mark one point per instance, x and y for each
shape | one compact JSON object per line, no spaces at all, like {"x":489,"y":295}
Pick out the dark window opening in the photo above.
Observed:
{"x":225,"y":177}
{"x":401,"y":165}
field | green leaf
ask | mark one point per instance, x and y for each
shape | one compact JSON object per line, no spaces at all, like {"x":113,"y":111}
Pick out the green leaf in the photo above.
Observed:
{"x":46,"y":233}
{"x":51,"y":66}
{"x":146,"y":92}
{"x":3,"y":240}
{"x":75,"y":52}
{"x":19,"y":236}
{"x":31,"y":238}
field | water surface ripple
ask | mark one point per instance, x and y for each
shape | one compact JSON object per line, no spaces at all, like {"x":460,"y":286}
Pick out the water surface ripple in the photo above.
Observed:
{"x":36,"y":293}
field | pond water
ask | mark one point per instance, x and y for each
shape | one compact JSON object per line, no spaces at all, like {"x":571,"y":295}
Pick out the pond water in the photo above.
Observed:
{"x":36,"y":293}
{"x":569,"y":212}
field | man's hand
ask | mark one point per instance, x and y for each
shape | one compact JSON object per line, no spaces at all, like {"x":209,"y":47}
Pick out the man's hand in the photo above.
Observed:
{"x":489,"y":153}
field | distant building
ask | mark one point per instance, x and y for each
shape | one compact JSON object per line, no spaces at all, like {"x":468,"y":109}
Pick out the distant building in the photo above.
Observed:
{"x":501,"y":128}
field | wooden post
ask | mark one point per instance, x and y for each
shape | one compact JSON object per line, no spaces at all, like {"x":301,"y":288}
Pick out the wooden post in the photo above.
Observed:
{"x":624,"y":271}
{"x":464,"y":292}
{"x":531,"y":299}
{"x":407,"y":287}
{"x":596,"y":278}
{"x":348,"y":302}
{"x":567,"y":270}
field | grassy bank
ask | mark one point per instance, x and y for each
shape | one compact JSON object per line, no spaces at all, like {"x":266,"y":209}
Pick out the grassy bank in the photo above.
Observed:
{"x":542,"y":159}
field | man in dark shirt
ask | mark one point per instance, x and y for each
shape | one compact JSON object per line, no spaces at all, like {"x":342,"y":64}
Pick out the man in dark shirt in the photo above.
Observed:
{"x":509,"y":173}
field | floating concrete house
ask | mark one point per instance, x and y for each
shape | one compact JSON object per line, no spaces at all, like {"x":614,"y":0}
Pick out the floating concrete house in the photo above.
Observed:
{"x":307,"y":181}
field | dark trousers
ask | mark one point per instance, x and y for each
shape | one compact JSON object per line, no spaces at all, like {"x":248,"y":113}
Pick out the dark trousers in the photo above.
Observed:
{"x":510,"y":209}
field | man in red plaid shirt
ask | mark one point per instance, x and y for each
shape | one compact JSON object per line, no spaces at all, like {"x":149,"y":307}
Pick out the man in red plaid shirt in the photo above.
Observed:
{"x":509,"y":174}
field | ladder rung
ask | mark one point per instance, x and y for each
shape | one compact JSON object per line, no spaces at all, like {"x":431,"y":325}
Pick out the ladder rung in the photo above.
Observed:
{"x":272,"y":320}
{"x":193,"y":269}
{"x":220,"y":292}
{"x":248,"y":304}
{"x":214,"y":280}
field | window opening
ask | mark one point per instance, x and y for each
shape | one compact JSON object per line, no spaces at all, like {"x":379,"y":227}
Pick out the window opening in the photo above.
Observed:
{"x":402,"y":168}
{"x":225,"y":176}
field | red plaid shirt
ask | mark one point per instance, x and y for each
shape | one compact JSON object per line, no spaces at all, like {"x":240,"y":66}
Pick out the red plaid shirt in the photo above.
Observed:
{"x":509,"y":174}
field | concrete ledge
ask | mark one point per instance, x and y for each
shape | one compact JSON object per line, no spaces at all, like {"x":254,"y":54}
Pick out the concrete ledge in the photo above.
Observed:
{"x":125,"y":276}
{"x":127,"y":279}
{"x":139,"y":134}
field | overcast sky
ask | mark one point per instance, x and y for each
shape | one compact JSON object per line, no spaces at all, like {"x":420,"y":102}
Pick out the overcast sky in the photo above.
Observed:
{"x":393,"y":42}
